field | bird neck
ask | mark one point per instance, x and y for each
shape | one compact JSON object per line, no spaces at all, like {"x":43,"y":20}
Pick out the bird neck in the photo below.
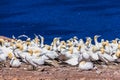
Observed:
{"x":42,"y":43}
{"x":54,"y":45}
{"x":96,"y":41}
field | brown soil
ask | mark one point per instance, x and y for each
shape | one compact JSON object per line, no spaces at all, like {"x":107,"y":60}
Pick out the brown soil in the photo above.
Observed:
{"x":63,"y":72}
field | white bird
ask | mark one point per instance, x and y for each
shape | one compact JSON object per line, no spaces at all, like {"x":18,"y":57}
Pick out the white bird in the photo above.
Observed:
{"x":36,"y":41}
{"x":107,"y":47}
{"x":23,"y":55}
{"x":75,"y":40}
{"x":105,"y":57}
{"x":85,"y":54}
{"x":4,"y":50}
{"x":58,"y":41}
{"x":23,"y":36}
{"x":62,"y":43}
{"x":54,"y":44}
{"x":113,"y":46}
{"x":97,"y":44}
{"x":35,"y":61}
{"x":68,"y":52}
{"x":40,"y":60}
{"x":3,"y":57}
{"x":75,"y":57}
{"x":42,"y":41}
{"x":83,"y":65}
{"x":94,"y":54}
{"x":72,"y":61}
{"x":81,"y":42}
{"x":52,"y":54}
{"x":88,"y":43}
{"x":116,"y":55}
{"x":15,"y":62}
{"x":30,"y":61}
{"x":7,"y":44}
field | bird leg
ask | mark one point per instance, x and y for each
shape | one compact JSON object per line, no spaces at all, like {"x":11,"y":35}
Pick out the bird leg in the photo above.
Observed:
{"x":31,"y":68}
{"x":34,"y":68}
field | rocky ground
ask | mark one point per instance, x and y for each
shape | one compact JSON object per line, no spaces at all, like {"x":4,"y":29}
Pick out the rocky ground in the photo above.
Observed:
{"x":62,"y":72}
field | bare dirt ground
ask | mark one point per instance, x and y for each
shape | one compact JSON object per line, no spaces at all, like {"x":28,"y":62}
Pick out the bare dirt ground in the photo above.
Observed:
{"x":63,"y":72}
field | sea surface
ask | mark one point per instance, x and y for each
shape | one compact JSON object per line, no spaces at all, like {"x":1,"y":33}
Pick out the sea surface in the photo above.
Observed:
{"x":60,"y":18}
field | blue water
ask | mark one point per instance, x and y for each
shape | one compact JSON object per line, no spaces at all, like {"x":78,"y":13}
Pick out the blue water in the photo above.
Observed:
{"x":60,"y":18}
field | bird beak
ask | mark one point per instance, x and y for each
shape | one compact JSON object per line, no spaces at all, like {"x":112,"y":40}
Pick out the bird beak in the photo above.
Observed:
{"x":36,"y":36}
{"x":98,"y":35}
{"x":59,"y":37}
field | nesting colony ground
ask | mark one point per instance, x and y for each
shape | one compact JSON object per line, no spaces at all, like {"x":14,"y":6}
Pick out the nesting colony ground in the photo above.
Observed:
{"x":59,"y":71}
{"x":63,"y":72}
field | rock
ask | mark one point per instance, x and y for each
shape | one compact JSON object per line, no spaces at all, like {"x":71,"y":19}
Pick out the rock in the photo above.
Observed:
{"x":31,"y":68}
{"x":98,"y":71}
{"x":15,"y":79}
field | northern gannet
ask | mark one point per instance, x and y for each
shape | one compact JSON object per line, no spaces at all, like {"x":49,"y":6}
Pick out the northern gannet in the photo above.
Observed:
{"x":75,"y":57}
{"x":81,"y":42}
{"x":83,"y":65}
{"x":15,"y":62}
{"x":85,"y":53}
{"x":104,"y":56}
{"x":97,"y":44}
{"x":42,"y":41}
{"x":88,"y":42}
{"x":94,"y":54}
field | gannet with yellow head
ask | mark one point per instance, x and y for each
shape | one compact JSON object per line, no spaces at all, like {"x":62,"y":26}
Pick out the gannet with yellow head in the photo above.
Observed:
{"x":75,"y":56}
{"x":94,"y":53}
{"x":104,"y":56}
{"x":62,"y":43}
{"x":15,"y":62}
{"x":54,"y":44}
{"x":97,"y":44}
{"x":83,"y":65}
{"x":3,"y":57}
{"x":116,"y":55}
{"x":81,"y":42}
{"x":75,"y":40}
{"x":114,"y":46}
{"x":85,"y":53}
{"x":88,"y":42}
{"x":107,"y":47}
